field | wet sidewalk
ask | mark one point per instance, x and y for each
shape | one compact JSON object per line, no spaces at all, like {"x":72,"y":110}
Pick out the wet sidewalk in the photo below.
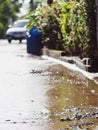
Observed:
{"x":71,"y":62}
{"x":38,"y":93}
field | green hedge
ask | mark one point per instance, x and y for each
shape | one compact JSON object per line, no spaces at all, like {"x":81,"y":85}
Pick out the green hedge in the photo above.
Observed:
{"x":67,"y":25}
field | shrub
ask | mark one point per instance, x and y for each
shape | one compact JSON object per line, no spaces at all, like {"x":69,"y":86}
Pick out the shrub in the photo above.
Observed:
{"x":45,"y":19}
{"x":74,"y":27}
{"x":65,"y":25}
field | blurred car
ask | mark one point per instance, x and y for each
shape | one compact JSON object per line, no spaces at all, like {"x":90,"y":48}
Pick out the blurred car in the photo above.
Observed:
{"x":17,"y":31}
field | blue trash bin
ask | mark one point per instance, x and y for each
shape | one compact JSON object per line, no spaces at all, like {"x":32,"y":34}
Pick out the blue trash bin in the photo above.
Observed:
{"x":34,"y":39}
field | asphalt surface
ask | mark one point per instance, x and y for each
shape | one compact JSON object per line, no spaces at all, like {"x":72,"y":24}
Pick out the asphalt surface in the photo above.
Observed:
{"x":22,"y":88}
{"x":38,"y":93}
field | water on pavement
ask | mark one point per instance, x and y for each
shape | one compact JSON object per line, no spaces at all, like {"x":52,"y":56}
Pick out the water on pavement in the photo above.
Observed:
{"x":40,"y":94}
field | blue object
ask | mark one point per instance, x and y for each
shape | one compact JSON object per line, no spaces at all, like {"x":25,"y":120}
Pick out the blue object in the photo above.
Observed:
{"x":34,"y":39}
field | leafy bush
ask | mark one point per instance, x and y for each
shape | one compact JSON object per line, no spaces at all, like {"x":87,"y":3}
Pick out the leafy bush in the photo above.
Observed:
{"x":74,"y":27}
{"x":65,"y":25}
{"x":45,"y":19}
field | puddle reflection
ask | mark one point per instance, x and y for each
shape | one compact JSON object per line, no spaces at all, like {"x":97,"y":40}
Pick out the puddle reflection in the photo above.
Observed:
{"x":72,"y":91}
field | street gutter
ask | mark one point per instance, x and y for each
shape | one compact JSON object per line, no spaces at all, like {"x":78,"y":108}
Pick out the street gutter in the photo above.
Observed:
{"x":73,"y":63}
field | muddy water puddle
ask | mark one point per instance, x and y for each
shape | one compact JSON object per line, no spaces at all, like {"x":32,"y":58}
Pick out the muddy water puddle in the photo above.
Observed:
{"x":72,"y":100}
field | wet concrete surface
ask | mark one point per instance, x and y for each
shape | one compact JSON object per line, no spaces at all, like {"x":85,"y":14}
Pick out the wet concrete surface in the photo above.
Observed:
{"x":39,"y":94}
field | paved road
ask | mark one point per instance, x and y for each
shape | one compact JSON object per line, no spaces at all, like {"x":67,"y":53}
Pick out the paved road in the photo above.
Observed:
{"x":22,"y":88}
{"x":35,"y":93}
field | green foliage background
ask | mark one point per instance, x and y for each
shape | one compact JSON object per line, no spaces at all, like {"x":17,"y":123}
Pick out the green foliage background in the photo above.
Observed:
{"x":7,"y":8}
{"x":68,"y":25}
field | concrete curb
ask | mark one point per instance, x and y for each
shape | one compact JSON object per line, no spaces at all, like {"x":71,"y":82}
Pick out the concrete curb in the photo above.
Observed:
{"x":84,"y":63}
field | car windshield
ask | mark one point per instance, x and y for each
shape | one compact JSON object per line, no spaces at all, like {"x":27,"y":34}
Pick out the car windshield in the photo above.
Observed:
{"x":20,"y":24}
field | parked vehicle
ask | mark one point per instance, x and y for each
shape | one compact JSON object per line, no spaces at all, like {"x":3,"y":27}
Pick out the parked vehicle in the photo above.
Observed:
{"x":17,"y":31}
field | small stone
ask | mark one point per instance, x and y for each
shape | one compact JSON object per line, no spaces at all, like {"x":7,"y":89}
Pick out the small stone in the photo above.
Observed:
{"x":8,"y":120}
{"x":19,"y":113}
{"x":24,"y":122}
{"x":92,"y":91}
{"x":14,"y":122}
{"x":67,"y":119}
